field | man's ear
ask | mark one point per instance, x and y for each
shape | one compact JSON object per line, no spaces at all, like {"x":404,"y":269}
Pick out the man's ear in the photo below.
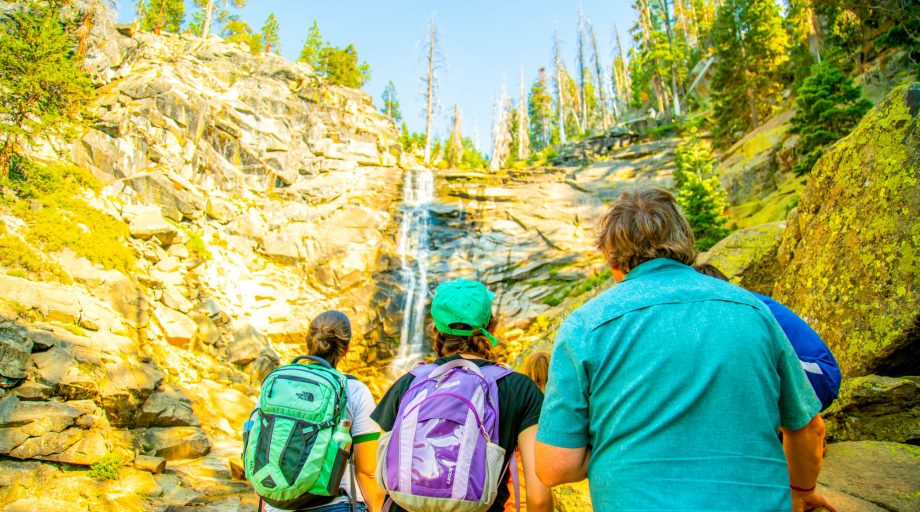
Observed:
{"x":618,"y":275}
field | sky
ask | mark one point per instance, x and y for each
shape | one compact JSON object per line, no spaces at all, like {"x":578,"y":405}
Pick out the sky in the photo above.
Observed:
{"x":485,"y":43}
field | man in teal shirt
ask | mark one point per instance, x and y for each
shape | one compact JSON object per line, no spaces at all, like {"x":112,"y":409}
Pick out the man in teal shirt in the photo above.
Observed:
{"x":668,"y":389}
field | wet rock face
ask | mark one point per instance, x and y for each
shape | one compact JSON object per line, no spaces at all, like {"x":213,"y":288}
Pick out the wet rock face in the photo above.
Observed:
{"x":850,"y":251}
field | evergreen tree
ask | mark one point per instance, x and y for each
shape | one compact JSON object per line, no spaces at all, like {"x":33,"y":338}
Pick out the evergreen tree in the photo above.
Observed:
{"x":312,"y":47}
{"x":238,"y":31}
{"x":341,"y":67}
{"x":43,"y":91}
{"x":271,"y":32}
{"x":699,"y":192}
{"x":751,"y":50}
{"x":390,"y":103}
{"x":829,"y":107}
{"x":540,"y":112}
{"x":162,"y":15}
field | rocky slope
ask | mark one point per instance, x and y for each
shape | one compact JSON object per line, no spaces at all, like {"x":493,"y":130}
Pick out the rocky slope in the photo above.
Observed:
{"x":255,"y":197}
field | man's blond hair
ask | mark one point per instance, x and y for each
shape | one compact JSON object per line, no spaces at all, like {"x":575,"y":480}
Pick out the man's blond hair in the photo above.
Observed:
{"x":642,"y":225}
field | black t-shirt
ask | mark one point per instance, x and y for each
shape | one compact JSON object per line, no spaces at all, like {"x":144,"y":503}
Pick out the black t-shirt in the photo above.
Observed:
{"x":519,"y":403}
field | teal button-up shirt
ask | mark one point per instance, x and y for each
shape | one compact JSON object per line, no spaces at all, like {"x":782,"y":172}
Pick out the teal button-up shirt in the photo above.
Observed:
{"x":678,"y":383}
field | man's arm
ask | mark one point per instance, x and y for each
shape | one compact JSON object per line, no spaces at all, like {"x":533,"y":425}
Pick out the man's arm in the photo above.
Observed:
{"x":539,"y":496}
{"x":557,"y":465}
{"x":804,"y":452}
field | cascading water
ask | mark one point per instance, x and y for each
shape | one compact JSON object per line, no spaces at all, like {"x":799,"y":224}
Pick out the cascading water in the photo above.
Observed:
{"x":418,"y":192}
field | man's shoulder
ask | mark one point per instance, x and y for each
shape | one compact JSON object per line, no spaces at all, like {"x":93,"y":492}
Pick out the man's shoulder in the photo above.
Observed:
{"x":674,"y":288}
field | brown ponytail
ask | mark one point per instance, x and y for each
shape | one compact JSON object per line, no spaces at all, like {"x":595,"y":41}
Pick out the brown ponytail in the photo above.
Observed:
{"x":450,"y":344}
{"x":329,"y":336}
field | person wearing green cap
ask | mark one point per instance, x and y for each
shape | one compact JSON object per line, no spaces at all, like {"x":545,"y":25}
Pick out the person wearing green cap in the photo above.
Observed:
{"x":463,"y":327}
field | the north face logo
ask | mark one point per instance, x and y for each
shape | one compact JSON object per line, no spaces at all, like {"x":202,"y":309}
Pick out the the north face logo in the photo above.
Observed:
{"x":303,"y":395}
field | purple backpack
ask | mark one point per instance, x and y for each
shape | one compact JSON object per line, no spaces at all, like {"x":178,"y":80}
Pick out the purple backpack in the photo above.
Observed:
{"x":442,"y":454}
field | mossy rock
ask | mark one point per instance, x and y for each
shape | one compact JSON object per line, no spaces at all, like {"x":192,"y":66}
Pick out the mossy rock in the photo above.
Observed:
{"x":885,"y":474}
{"x":572,"y":497}
{"x":876,"y":408}
{"x":748,"y":257}
{"x":849,"y":253}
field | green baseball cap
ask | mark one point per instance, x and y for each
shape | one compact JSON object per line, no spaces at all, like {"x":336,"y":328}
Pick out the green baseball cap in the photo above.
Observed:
{"x":463,"y":302}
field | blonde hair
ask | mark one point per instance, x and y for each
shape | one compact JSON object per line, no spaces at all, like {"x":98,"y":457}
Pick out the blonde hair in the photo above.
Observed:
{"x":536,"y":366}
{"x":642,"y":225}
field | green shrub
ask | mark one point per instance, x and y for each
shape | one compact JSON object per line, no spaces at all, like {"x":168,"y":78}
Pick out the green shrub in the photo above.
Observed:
{"x":48,"y":200}
{"x":23,"y":261}
{"x":196,"y":246}
{"x":108,"y":467}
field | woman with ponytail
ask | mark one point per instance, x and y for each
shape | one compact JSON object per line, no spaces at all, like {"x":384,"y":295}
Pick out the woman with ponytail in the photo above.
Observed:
{"x":463,"y":323}
{"x":328,"y":338}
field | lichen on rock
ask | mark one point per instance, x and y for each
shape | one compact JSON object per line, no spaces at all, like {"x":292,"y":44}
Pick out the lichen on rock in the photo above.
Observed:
{"x":849,"y":254}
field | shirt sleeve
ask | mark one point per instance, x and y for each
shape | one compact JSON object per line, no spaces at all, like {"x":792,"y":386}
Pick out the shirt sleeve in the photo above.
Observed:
{"x":798,"y":403}
{"x":385,"y":413}
{"x":530,"y":400}
{"x":361,"y":405}
{"x":564,"y":419}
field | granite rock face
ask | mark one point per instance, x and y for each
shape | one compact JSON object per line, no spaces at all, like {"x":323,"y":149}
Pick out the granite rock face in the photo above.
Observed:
{"x":849,"y":253}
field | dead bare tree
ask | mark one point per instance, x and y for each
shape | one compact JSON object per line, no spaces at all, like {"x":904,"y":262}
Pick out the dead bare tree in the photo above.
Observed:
{"x":523,"y":123}
{"x":558,"y":72}
{"x":599,"y":70}
{"x":434,"y":62}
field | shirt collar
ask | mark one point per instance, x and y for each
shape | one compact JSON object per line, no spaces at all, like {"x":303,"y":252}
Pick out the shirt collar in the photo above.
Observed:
{"x":653,"y":266}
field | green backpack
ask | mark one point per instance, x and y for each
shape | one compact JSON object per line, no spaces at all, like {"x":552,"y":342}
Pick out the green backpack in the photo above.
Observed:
{"x":296,"y":451}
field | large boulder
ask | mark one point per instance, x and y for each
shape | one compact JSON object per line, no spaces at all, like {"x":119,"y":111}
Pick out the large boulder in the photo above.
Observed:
{"x":748,"y":257}
{"x":877,"y":409}
{"x":886,"y":474}
{"x":168,"y":407}
{"x":247,"y":345}
{"x":146,"y":222}
{"x":70,"y":432}
{"x":174,"y":443}
{"x":15,"y":350}
{"x":850,"y":251}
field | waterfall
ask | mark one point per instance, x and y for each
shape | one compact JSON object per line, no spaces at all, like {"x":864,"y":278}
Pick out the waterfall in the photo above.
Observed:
{"x":418,"y":192}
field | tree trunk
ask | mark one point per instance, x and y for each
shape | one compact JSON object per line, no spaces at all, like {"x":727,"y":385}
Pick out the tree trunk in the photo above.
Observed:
{"x":674,"y":93}
{"x":159,"y":24}
{"x":208,"y":13}
{"x":605,"y":112}
{"x":523,"y":128}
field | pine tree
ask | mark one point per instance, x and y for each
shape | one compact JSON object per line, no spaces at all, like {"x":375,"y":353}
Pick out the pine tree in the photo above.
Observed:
{"x":312,"y":47}
{"x":390,"y":103}
{"x":271,"y":32}
{"x":540,"y":112}
{"x":829,"y":107}
{"x":43,"y":91}
{"x":751,"y":50}
{"x":162,"y":15}
{"x":341,"y":67}
{"x":238,"y":31}
{"x":699,"y":192}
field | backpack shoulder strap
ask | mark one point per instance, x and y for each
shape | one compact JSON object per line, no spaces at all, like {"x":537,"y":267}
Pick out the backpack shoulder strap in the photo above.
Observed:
{"x":497,"y":371}
{"x":315,"y":359}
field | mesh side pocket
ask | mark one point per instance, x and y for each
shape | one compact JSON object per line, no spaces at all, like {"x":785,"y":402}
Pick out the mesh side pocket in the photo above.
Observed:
{"x":495,"y":463}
